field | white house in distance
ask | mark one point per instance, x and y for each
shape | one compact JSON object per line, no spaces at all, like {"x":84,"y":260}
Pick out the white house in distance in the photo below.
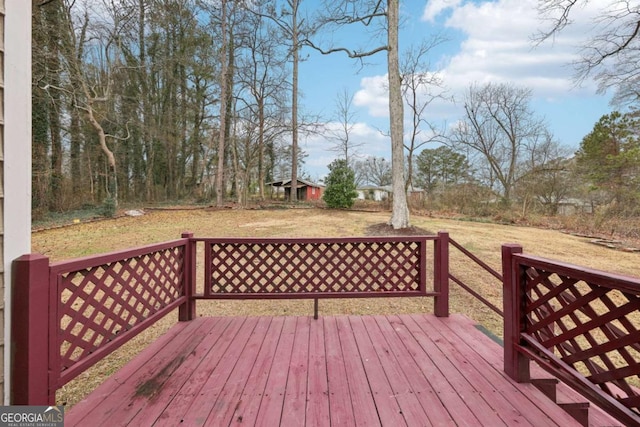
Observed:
{"x":15,"y":159}
{"x":374,"y":193}
{"x":384,"y":192}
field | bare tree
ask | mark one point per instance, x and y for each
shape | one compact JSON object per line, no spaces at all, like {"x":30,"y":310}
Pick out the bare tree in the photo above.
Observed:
{"x":224,"y":100}
{"x":373,"y":170}
{"x":294,"y":29}
{"x":543,"y":173}
{"x":612,"y":53}
{"x":91,"y":86}
{"x":343,"y":143}
{"x":420,"y":88}
{"x":262,"y":74}
{"x":499,"y":125}
{"x":366,"y":13}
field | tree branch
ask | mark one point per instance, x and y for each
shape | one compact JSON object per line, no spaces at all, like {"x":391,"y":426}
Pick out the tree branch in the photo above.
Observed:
{"x":119,"y":138}
{"x":350,"y":53}
{"x":44,"y":3}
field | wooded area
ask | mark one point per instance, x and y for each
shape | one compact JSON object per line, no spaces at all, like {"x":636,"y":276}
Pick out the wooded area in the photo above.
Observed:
{"x":166,"y":100}
{"x":127,"y":100}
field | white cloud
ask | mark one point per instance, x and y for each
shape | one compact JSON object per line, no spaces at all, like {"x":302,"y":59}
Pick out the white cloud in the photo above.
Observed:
{"x":317,"y":146}
{"x":436,"y":7}
{"x":498,"y":47}
{"x":373,"y":95}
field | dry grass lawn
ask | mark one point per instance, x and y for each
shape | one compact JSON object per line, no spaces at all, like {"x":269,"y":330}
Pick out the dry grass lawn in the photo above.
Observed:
{"x":482,"y":239}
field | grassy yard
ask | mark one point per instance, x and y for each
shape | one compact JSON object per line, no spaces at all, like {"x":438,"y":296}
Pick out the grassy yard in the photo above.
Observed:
{"x":483,"y":239}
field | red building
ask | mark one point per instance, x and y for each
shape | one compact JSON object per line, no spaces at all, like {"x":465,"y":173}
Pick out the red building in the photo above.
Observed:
{"x":306,"y":190}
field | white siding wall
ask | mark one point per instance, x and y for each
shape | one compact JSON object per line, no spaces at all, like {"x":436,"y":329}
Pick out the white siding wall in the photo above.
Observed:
{"x":2,"y":276}
{"x":15,"y":157}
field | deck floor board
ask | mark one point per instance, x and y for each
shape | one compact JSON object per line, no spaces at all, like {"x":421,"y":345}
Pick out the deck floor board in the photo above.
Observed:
{"x":335,"y":371}
{"x":179,"y":404}
{"x":210,"y":396}
{"x":270,"y":410}
{"x":295,"y":397}
{"x":317,"y":387}
{"x":247,"y":407}
{"x":341,"y":412}
{"x":416,"y":382}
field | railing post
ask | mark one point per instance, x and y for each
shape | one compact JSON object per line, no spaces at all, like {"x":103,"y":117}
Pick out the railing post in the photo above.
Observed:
{"x":441,"y":275}
{"x":30,"y":332}
{"x":516,"y":365}
{"x":187,"y":311}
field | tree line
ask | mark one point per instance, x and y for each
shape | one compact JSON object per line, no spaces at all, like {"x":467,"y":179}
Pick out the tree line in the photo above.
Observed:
{"x":152,"y":100}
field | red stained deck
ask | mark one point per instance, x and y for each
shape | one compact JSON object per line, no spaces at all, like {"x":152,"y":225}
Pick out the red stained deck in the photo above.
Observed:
{"x":407,"y":370}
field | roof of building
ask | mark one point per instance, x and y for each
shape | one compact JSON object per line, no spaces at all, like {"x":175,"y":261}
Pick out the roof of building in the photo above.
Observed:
{"x":287,"y":183}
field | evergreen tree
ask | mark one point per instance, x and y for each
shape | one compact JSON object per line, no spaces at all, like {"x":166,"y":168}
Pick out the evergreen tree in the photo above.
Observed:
{"x":609,"y":156}
{"x":341,"y":185}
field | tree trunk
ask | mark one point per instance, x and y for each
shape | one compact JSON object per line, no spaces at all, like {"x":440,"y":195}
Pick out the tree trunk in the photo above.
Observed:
{"x":294,"y":105}
{"x":223,"y":106}
{"x":75,"y":150}
{"x":261,"y":174}
{"x":55,"y":108}
{"x":112,"y":182}
{"x":400,"y":211}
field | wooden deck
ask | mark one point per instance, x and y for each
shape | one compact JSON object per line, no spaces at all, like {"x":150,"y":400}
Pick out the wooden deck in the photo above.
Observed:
{"x":407,"y":370}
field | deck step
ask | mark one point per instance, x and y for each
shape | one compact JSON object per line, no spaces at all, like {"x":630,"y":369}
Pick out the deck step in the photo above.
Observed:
{"x":548,"y":386}
{"x":573,"y":404}
{"x":578,"y":410}
{"x":571,"y":401}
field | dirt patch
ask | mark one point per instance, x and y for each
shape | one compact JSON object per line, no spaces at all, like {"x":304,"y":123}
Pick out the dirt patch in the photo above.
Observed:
{"x":384,"y":229}
{"x":618,"y":245}
{"x":267,"y":224}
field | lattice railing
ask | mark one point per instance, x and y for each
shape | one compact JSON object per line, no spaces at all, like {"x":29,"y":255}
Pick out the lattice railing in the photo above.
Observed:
{"x":583,"y":326}
{"x":304,"y":268}
{"x":103,"y":302}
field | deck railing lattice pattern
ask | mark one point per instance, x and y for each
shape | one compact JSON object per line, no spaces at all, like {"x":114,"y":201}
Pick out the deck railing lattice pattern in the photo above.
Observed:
{"x":101,"y":302}
{"x":594,"y":329}
{"x":299,"y":267}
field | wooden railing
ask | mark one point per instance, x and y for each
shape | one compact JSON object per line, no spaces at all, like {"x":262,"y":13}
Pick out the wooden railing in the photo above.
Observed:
{"x":484,"y":266}
{"x":69,"y":315}
{"x":581,"y":325}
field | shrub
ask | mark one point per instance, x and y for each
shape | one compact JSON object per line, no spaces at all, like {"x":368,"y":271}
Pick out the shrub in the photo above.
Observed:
{"x":109,"y":207}
{"x":341,"y":185}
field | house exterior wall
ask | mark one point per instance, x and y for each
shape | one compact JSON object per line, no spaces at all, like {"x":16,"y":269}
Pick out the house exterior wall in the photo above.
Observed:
{"x":375,"y":194}
{"x":314,"y":193}
{"x":2,"y":276}
{"x":304,"y":192}
{"x":15,"y":157}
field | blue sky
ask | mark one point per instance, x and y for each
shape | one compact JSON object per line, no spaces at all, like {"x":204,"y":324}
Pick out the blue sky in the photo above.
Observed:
{"x":488,"y":41}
